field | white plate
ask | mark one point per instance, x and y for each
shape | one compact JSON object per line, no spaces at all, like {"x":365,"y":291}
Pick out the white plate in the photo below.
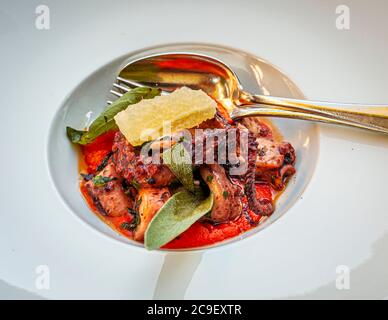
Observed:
{"x":341,"y":220}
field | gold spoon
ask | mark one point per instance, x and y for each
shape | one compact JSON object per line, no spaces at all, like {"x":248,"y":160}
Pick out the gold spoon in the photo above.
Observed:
{"x":171,"y":71}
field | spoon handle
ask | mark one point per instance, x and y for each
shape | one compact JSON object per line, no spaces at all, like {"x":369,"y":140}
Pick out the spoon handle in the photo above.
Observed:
{"x":371,"y":117}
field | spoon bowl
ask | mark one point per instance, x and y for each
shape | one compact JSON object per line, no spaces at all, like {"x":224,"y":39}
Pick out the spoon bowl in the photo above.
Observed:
{"x":172,"y":71}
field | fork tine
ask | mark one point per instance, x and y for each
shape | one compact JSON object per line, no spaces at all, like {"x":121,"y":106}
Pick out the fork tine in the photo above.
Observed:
{"x":130,"y":83}
{"x":133,"y":84}
{"x":118,"y":94}
{"x":122,"y":89}
{"x":125,"y":89}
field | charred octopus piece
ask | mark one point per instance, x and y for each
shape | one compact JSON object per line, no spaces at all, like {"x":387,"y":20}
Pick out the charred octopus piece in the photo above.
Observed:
{"x":210,"y":150}
{"x":258,"y":206}
{"x":130,"y":165}
{"x":258,"y":127}
{"x":107,"y":193}
{"x":227,"y":196}
{"x":149,"y":201}
{"x":275,"y":163}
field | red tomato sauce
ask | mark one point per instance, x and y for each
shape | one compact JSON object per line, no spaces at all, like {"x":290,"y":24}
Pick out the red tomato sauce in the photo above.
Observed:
{"x":199,"y":234}
{"x":93,"y":153}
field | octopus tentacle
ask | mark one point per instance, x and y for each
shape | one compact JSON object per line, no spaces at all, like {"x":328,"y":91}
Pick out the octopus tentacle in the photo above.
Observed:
{"x":258,"y":206}
{"x":263,"y":206}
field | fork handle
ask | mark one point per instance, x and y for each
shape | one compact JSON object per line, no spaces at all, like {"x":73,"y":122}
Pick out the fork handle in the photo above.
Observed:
{"x":371,"y":117}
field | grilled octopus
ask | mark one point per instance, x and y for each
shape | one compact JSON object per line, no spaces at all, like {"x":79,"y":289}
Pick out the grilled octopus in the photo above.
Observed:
{"x":149,"y":200}
{"x":261,"y":206}
{"x":266,"y":161}
{"x":110,"y":198}
{"x":227,"y":196}
{"x":135,"y":169}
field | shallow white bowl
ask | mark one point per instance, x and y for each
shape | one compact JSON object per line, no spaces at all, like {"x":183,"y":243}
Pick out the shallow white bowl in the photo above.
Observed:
{"x":89,"y":97}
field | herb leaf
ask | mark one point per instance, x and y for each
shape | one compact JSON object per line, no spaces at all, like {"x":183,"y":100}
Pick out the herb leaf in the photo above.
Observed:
{"x":135,"y":184}
{"x":105,"y":121}
{"x":209,"y":178}
{"x":130,"y":226}
{"x":100,"y":181}
{"x":87,"y":176}
{"x":180,"y":211}
{"x":178,"y":160}
{"x":74,"y":135}
{"x":104,"y":162}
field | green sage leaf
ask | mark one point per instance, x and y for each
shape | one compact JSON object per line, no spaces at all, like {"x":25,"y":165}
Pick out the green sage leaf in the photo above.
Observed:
{"x":105,"y":121}
{"x":179,"y":162}
{"x":180,"y":211}
{"x":100,"y":181}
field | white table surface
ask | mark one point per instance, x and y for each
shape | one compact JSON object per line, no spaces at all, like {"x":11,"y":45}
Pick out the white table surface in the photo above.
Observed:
{"x":39,"y":68}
